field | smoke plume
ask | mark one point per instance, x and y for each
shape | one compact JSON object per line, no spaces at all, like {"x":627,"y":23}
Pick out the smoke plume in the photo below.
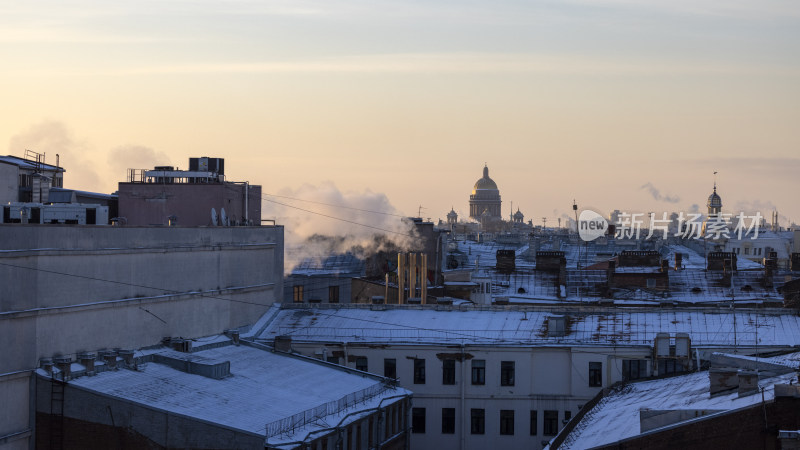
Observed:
{"x":320,"y":220}
{"x":53,"y":138}
{"x":127,"y":157}
{"x":656,"y":194}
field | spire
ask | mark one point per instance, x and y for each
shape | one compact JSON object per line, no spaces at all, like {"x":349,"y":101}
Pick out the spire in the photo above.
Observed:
{"x":715,"y":181}
{"x":485,"y":171}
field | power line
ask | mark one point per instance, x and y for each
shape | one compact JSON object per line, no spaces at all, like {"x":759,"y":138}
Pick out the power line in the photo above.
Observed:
{"x":334,"y":205}
{"x":168,"y":291}
{"x":340,"y":219}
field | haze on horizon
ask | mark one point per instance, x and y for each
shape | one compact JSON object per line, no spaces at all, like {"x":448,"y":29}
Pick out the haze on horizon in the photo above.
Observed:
{"x":618,"y":104}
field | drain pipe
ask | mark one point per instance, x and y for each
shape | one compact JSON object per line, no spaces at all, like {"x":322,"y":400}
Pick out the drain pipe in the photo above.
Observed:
{"x":463,"y":407}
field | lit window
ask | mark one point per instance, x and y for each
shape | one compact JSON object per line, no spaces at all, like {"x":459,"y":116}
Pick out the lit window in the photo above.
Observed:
{"x":361,"y":363}
{"x":297,"y":294}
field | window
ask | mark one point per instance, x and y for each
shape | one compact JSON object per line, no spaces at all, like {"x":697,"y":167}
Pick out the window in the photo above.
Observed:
{"x":550,"y":423}
{"x":506,"y":373}
{"x":390,"y":368}
{"x":595,"y":374}
{"x":534,"y":422}
{"x":297,"y":294}
{"x":651,"y":283}
{"x":417,"y":420}
{"x":507,"y":421}
{"x":477,"y":421}
{"x":567,"y":416}
{"x":449,"y":371}
{"x":333,"y":294}
{"x":448,"y":420}
{"x":419,"y":371}
{"x":478,"y":371}
{"x":747,"y":250}
{"x":634,"y":369}
{"x":361,"y":363}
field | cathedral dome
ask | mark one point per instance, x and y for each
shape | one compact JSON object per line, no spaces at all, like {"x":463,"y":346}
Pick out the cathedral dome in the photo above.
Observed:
{"x":484,"y":183}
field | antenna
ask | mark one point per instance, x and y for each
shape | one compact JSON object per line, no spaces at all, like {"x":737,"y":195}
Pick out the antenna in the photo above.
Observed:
{"x":214,"y":220}
{"x":223,"y":217}
{"x":419,"y":211}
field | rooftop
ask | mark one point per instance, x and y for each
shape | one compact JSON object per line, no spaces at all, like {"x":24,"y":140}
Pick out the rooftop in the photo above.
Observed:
{"x":526,"y":326}
{"x":263,"y":388}
{"x":618,"y":415}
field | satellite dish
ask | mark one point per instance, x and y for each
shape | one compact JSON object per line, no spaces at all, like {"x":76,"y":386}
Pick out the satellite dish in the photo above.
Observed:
{"x":223,"y":217}
{"x":214,"y":217}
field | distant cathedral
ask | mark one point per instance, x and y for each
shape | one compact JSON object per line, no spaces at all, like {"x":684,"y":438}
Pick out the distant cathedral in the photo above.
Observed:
{"x":485,"y":198}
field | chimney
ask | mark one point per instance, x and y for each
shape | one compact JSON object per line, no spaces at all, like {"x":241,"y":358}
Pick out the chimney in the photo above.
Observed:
{"x":748,"y":382}
{"x":47,"y":365}
{"x":233,"y":334}
{"x":87,"y":360}
{"x":64,"y":365}
{"x":612,"y":269}
{"x":678,"y":261}
{"x":722,"y":380}
{"x":283,"y":343}
{"x":110,"y":357}
{"x":181,"y":345}
{"x":127,"y":357}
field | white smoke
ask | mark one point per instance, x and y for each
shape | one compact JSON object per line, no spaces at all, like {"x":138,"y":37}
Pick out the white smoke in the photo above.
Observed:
{"x":656,"y":194}
{"x":53,"y":138}
{"x":320,"y":220}
{"x":126,"y":157}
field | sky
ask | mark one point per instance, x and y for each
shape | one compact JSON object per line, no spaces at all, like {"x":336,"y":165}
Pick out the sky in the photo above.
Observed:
{"x":617,"y":104}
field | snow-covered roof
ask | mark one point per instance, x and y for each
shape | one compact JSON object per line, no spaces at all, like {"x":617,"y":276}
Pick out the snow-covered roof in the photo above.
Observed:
{"x":263,"y":388}
{"x":513,"y":326}
{"x":617,"y":415}
{"x":28,"y":164}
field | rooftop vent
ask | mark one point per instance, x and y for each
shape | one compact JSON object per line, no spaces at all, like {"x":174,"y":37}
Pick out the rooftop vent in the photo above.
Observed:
{"x":283,"y":343}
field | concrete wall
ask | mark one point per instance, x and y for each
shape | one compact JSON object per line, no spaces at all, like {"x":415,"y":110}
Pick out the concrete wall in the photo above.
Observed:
{"x":68,"y":289}
{"x":9,"y":183}
{"x":153,"y":204}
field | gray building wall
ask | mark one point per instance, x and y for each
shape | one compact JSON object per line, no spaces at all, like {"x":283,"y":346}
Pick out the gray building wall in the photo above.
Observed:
{"x":9,"y":183}
{"x":68,"y":289}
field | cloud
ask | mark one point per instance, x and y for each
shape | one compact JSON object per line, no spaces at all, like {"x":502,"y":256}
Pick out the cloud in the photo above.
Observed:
{"x":55,"y":140}
{"x":321,"y":220}
{"x":125,"y":157}
{"x":657,"y":194}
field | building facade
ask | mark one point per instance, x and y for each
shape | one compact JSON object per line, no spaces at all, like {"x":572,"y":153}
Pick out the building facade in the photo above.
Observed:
{"x":487,"y":377}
